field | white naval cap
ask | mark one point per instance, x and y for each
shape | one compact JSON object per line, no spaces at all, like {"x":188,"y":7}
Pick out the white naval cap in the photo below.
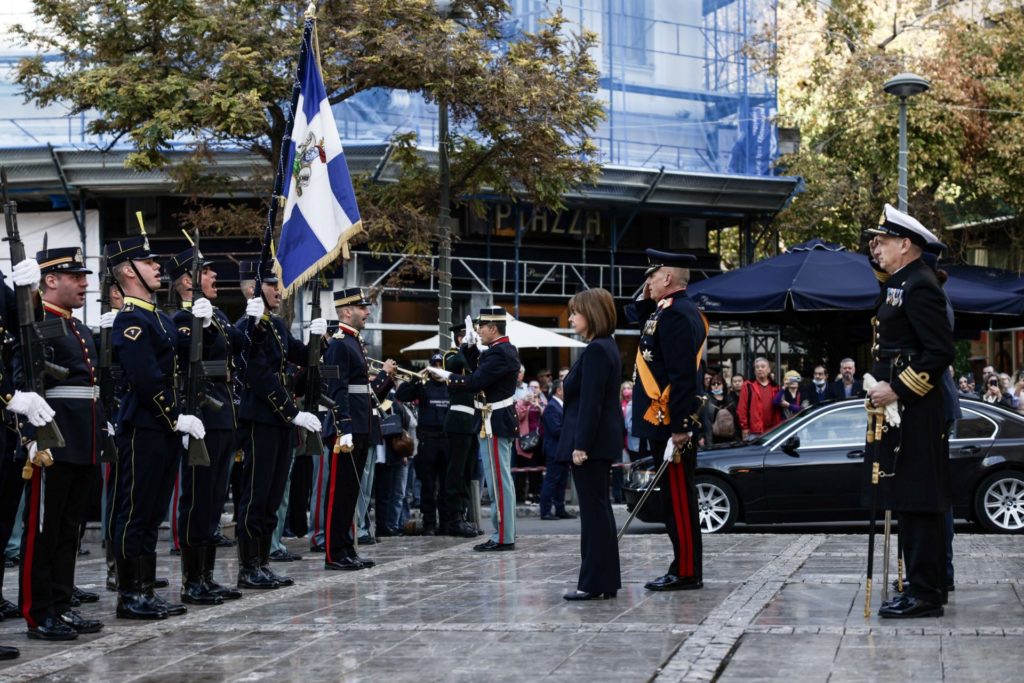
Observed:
{"x":896,"y":223}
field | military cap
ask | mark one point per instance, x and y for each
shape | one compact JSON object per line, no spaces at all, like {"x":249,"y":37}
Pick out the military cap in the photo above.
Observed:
{"x":491,"y":314}
{"x":436,"y":358}
{"x":247,"y":271}
{"x":181,"y":264}
{"x":128,"y":249}
{"x":896,"y":223}
{"x":666,"y":259}
{"x":351,"y":296}
{"x":62,"y":260}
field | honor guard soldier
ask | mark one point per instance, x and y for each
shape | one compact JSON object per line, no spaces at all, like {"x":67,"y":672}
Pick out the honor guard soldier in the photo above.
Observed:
{"x":913,"y":347}
{"x":356,"y":421}
{"x":204,"y":488}
{"x":58,"y":497}
{"x":495,"y":376}
{"x":431,"y":461}
{"x":461,"y":426}
{"x":666,"y":401}
{"x":267,"y":420}
{"x":150,"y":425}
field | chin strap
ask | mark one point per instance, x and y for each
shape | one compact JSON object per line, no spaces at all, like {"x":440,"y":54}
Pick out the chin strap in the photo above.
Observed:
{"x":141,"y":279}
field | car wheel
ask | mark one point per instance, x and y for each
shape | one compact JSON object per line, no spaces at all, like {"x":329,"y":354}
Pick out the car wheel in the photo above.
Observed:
{"x":716,"y":505}
{"x":999,"y":502}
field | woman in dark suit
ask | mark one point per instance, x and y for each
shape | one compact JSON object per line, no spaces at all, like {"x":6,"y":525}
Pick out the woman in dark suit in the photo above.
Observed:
{"x":592,"y":433}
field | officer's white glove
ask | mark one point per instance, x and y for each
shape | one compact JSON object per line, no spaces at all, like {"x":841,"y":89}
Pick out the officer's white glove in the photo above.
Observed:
{"x":190,"y":425}
{"x":31,"y":405}
{"x":27,"y":273}
{"x":346,"y":441}
{"x":110,"y":429}
{"x":318,"y":327}
{"x":255,"y":307}
{"x":308,"y":421}
{"x":438,"y":372}
{"x":471,"y":337}
{"x":107,"y":320}
{"x":203,"y":309}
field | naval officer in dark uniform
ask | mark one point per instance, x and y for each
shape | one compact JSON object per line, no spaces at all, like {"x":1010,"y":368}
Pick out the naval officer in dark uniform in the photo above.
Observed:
{"x":461,"y":426}
{"x":357,"y":425}
{"x":913,"y":347}
{"x":495,"y":376}
{"x":666,"y":403}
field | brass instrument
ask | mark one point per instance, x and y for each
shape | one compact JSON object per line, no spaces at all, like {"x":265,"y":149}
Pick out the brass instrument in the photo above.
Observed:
{"x":378,"y":365}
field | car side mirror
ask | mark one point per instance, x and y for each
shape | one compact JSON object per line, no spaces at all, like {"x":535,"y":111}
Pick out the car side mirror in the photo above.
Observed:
{"x":790,"y":446}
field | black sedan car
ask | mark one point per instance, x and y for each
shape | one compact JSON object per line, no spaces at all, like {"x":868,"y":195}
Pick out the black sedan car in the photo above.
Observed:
{"x":809,"y":470}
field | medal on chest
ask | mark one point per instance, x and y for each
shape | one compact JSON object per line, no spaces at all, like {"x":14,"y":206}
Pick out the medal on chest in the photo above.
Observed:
{"x":894,"y":296}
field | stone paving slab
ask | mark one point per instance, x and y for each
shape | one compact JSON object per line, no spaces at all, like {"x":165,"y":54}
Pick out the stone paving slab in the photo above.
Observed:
{"x":786,"y":607}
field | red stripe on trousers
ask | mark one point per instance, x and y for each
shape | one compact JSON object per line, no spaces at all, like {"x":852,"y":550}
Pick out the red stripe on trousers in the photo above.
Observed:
{"x":174,"y":511}
{"x":501,"y":492}
{"x":683,"y":512}
{"x":335,"y":457}
{"x":30,"y":546}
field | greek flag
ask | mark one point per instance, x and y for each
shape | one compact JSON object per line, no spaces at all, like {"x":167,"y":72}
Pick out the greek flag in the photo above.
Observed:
{"x":320,"y":214}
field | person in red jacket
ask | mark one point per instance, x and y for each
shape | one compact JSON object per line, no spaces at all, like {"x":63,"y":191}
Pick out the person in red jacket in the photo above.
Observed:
{"x":756,"y":412}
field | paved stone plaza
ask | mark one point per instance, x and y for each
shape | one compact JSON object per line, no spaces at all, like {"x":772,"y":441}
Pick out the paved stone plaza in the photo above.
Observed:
{"x":786,"y":607}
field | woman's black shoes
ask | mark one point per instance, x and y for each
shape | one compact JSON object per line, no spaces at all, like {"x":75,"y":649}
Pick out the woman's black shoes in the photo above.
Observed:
{"x":584,"y":595}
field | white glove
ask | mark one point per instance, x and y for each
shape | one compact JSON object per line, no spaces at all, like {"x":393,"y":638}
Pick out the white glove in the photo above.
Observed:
{"x":191,"y":425}
{"x":471,"y":337}
{"x":31,"y":405}
{"x":27,"y":273}
{"x":255,"y":307}
{"x":318,"y":327}
{"x":110,"y":429}
{"x":438,"y":372}
{"x":892,"y":411}
{"x":203,"y":309}
{"x":346,"y":441}
{"x":107,"y":320}
{"x":308,"y":421}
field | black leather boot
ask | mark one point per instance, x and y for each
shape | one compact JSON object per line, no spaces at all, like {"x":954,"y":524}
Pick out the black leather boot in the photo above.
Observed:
{"x":131,"y":604}
{"x":212,"y":587}
{"x":264,"y":550}
{"x":193,"y":590}
{"x":149,"y":583}
{"x":249,"y":573}
{"x":111,"y":568}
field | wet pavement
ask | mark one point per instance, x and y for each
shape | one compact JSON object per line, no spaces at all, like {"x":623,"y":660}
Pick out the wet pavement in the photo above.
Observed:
{"x":786,"y":607}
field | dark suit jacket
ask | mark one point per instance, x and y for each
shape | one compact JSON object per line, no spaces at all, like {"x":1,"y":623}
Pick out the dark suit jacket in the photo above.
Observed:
{"x":809,"y":393}
{"x":592,"y":420}
{"x":552,"y":421}
{"x":836,"y":392}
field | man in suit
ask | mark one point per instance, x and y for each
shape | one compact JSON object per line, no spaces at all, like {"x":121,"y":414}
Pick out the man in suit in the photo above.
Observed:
{"x":556,"y":474}
{"x":667,"y":405}
{"x":847,"y":386}
{"x":817,"y":391}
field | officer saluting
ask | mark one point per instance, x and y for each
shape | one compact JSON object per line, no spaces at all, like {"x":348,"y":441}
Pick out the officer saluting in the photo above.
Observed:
{"x":461,"y":425}
{"x":666,"y":403}
{"x":912,"y":349}
{"x":495,"y":376}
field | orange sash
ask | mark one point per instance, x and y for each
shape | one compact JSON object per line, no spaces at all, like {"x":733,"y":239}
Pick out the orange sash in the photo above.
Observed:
{"x":657,"y":412}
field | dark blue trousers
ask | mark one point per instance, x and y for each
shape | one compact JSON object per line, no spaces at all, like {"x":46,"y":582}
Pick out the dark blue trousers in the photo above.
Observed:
{"x":552,"y":491}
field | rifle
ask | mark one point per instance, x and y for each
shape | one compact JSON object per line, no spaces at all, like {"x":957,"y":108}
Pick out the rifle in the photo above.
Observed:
{"x":104,"y":371}
{"x":195,"y":380}
{"x":33,"y":335}
{"x":313,"y":443}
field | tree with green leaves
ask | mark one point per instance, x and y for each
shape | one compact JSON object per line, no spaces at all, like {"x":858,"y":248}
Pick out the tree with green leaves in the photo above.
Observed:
{"x":219,"y":73}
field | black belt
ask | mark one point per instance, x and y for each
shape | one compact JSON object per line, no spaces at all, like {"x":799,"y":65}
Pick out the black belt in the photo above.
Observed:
{"x":896,"y":353}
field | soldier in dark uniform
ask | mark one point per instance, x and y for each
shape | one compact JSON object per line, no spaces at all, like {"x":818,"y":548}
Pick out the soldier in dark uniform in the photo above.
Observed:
{"x":431,"y":461}
{"x":267,"y":420}
{"x":461,"y":426}
{"x":57,"y":498}
{"x":150,"y":426}
{"x":496,"y":375}
{"x":356,"y":425}
{"x":666,"y":403}
{"x":203,"y":489}
{"x":913,"y":347}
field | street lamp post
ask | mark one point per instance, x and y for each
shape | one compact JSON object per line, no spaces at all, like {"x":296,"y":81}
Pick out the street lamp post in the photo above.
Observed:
{"x":903,"y":86}
{"x":444,"y":230}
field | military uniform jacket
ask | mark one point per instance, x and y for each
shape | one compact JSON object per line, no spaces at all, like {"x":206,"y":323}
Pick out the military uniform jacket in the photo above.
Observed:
{"x":8,"y":330}
{"x":671,"y":342}
{"x":458,"y":421}
{"x":433,"y":404}
{"x":354,"y":412}
{"x":265,"y":397}
{"x":146,"y":342}
{"x":496,"y":376}
{"x":221,"y":341}
{"x":913,"y":347}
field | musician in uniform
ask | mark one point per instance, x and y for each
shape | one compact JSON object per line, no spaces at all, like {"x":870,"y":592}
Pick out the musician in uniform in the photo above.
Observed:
{"x":495,"y":376}
{"x":913,"y":346}
{"x":461,"y":426}
{"x":267,"y":420}
{"x":431,"y":461}
{"x":204,"y":488}
{"x":58,"y":497}
{"x":356,"y":424}
{"x":666,"y":403}
{"x":150,"y":425}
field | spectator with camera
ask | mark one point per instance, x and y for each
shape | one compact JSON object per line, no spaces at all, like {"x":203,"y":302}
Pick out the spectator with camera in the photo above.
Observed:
{"x":719,"y":414}
{"x":994,"y":392}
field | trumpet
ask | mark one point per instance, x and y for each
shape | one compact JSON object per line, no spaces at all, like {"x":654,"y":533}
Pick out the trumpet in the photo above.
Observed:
{"x":378,"y":365}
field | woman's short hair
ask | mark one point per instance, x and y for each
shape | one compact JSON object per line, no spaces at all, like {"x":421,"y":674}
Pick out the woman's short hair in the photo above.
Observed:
{"x":598,"y":307}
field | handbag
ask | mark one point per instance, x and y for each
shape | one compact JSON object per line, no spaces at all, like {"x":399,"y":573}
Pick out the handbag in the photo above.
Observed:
{"x":391,"y":425}
{"x":529,"y":442}
{"x":403,"y":445}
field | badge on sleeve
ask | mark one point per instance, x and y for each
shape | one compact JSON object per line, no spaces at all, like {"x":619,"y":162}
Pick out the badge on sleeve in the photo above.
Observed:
{"x":133,"y":333}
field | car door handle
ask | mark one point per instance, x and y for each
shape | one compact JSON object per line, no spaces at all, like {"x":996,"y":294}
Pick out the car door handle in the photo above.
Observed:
{"x":969,"y":450}
{"x":855,"y":454}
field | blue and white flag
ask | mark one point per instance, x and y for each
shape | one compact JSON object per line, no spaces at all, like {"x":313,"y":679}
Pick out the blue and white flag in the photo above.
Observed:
{"x":320,"y":214}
